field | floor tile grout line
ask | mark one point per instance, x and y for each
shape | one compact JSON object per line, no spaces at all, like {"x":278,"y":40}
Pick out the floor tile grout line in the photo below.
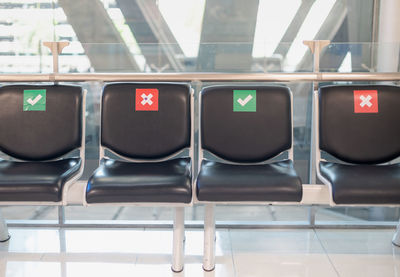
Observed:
{"x":326,"y":252}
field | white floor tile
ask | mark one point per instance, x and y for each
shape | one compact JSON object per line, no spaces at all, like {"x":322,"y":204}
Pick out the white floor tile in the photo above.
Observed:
{"x":105,"y":241}
{"x":277,"y":264}
{"x":190,"y":270}
{"x":357,"y":241}
{"x":100,"y":269}
{"x":366,"y":265}
{"x":115,"y":252}
{"x":279,"y":253}
{"x":91,"y":257}
{"x":32,"y":269}
{"x":362,"y":252}
{"x":35,"y":240}
{"x":275,"y":241}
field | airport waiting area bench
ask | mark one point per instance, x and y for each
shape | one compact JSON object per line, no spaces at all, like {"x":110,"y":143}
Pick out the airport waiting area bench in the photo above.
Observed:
{"x":245,"y":149}
{"x":42,"y":131}
{"x":146,"y":127}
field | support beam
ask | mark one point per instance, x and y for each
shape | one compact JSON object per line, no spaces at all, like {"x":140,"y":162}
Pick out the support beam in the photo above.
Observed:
{"x":102,"y":42}
{"x":227,"y":36}
{"x":333,"y":58}
{"x":360,"y":24}
{"x":294,"y":27}
{"x":329,"y":30}
{"x":156,"y":41}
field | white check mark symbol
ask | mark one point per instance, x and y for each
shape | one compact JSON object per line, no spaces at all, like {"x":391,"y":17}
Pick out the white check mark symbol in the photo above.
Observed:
{"x":34,"y":101}
{"x":245,"y":101}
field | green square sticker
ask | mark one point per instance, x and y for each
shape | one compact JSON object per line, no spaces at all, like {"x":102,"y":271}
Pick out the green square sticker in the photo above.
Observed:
{"x":34,"y":100}
{"x":244,"y":100}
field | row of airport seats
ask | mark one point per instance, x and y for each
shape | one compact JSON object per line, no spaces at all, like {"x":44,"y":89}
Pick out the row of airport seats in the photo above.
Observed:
{"x":147,"y":147}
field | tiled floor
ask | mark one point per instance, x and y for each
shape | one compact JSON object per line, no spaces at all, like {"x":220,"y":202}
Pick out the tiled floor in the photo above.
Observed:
{"x":139,"y":252}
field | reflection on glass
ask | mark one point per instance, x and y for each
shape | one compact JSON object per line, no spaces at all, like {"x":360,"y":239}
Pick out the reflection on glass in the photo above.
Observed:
{"x":168,"y":36}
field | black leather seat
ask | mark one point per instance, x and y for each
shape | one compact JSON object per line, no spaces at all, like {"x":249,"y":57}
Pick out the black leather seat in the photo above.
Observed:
{"x":229,"y":182}
{"x":359,"y":184}
{"x":39,"y":137}
{"x":137,"y":134}
{"x":36,"y":181}
{"x":244,"y":138}
{"x":123,"y":182}
{"x":363,"y":140}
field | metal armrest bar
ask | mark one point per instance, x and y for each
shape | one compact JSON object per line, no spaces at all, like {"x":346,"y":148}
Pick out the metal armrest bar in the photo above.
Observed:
{"x":193,"y":77}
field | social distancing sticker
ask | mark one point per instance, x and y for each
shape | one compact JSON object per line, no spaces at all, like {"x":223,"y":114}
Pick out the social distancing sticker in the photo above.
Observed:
{"x":34,"y":100}
{"x":146,"y":99}
{"x":244,"y":100}
{"x":366,"y":101}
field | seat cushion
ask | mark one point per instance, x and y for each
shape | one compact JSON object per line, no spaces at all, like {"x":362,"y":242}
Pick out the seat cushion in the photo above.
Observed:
{"x":128,"y":182}
{"x":363,"y":184}
{"x":36,"y":181}
{"x":269,"y":182}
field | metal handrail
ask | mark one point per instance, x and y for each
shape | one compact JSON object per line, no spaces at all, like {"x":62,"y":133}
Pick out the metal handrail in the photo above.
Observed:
{"x":205,"y":77}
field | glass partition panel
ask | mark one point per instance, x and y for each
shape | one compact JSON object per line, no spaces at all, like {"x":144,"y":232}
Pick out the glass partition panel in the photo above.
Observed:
{"x":210,"y":36}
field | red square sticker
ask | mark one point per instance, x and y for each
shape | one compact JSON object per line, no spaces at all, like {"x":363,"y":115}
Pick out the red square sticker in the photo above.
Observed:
{"x":365,"y":101}
{"x":146,"y":99}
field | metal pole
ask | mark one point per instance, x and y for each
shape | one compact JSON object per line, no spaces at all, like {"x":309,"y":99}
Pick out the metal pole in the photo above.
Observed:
{"x":4,"y":235}
{"x":396,"y":237}
{"x":61,"y":215}
{"x":56,"y":47}
{"x":178,"y":240}
{"x":209,"y":238}
{"x":315,"y":46}
{"x":205,"y":77}
{"x":63,"y":251}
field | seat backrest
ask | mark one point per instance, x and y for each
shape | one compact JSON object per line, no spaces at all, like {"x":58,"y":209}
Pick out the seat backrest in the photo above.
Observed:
{"x":360,"y":123}
{"x":246,"y":123}
{"x":40,"y":122}
{"x":146,"y":120}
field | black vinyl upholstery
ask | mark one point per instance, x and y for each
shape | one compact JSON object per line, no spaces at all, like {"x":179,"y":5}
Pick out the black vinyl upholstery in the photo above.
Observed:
{"x":268,"y":182}
{"x":126,"y":182}
{"x":362,"y":138}
{"x":246,"y":136}
{"x":40,"y":135}
{"x":36,"y":181}
{"x":149,"y":135}
{"x":363,"y":184}
{"x":138,"y":134}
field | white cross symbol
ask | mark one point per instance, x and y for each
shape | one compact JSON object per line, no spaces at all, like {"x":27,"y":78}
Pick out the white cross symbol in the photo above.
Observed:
{"x":147,"y":99}
{"x":365,"y":101}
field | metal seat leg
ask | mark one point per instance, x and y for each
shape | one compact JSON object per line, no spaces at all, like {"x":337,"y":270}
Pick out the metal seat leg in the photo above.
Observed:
{"x":4,"y":235}
{"x":209,"y":238}
{"x":178,"y":240}
{"x":396,"y":237}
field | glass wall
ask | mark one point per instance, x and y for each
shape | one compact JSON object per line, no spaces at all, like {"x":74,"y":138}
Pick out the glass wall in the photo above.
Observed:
{"x":195,"y":36}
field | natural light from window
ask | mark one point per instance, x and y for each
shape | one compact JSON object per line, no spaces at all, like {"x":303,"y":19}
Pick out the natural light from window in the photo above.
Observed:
{"x":186,"y":26}
{"x":273,"y":19}
{"x":308,"y":30}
